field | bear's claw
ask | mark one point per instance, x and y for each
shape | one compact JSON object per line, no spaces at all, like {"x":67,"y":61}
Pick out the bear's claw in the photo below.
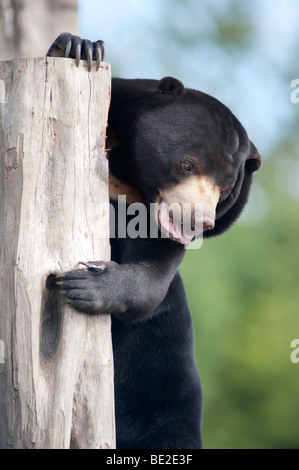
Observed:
{"x":73,"y":47}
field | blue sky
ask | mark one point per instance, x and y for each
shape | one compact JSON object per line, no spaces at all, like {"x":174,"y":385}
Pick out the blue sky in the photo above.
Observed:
{"x":251,"y":86}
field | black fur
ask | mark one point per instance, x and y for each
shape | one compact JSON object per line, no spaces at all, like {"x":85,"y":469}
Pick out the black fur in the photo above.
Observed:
{"x":157,"y":123}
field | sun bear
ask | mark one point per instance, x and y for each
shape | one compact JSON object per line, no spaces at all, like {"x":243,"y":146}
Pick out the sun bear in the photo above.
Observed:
{"x":170,"y":147}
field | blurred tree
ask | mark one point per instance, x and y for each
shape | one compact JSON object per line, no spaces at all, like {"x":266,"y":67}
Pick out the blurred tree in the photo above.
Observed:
{"x":227,"y":24}
{"x":28,"y":27}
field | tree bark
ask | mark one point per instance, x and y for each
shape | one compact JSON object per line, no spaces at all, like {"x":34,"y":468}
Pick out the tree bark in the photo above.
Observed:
{"x":56,"y":365}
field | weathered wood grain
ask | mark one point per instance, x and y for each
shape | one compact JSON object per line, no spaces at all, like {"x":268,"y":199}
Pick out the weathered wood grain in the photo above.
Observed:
{"x":56,"y":365}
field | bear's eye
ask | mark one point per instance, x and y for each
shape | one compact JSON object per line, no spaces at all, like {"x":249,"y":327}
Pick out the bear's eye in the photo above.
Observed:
{"x":186,"y":166}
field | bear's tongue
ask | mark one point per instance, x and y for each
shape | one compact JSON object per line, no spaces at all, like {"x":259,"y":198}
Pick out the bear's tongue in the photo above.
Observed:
{"x":176,"y":230}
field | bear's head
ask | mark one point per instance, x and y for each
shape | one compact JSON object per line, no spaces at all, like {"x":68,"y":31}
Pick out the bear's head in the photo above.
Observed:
{"x":183,"y":148}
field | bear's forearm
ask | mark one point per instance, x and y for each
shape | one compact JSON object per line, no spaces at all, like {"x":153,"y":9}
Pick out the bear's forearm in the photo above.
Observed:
{"x":131,"y":291}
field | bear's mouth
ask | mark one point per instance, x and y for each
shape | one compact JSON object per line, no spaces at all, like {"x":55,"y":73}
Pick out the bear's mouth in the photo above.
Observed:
{"x":173,"y":225}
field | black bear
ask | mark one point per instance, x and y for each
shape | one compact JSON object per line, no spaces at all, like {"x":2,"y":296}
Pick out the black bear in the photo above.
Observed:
{"x":168,"y":145}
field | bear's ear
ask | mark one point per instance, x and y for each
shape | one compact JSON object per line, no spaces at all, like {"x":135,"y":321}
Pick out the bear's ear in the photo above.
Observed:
{"x":254,"y":160}
{"x":171,"y":86}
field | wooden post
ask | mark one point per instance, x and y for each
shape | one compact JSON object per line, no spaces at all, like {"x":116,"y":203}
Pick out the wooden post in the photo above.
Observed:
{"x":56,"y":366}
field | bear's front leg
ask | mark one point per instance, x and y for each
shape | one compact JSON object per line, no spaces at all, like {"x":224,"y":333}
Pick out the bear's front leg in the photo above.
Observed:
{"x":130,"y":291}
{"x":89,"y":289}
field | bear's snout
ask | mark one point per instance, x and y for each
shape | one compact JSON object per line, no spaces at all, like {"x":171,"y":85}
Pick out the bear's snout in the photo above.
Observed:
{"x":204,"y":221}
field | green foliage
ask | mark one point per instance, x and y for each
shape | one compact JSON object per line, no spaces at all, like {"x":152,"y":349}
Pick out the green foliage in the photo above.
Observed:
{"x":243,"y":292}
{"x":229,"y":23}
{"x":233,"y":29}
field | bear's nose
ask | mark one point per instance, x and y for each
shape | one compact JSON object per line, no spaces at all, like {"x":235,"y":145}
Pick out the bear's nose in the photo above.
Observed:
{"x":208,"y":223}
{"x":202,"y":221}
